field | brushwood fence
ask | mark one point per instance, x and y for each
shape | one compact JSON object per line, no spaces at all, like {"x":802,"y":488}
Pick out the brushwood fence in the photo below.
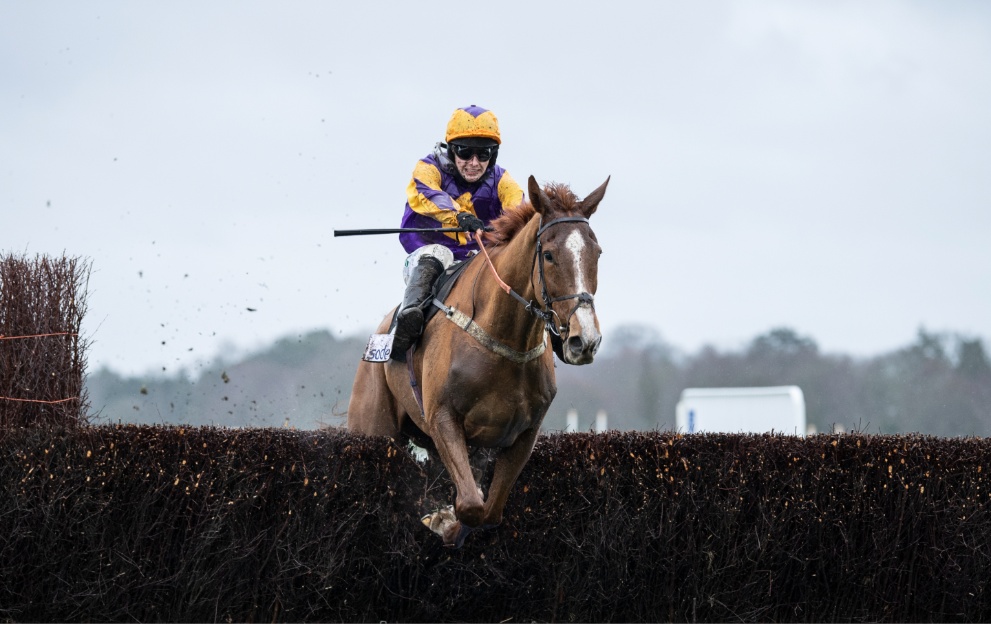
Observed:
{"x":199,"y":524}
{"x":42,"y":355}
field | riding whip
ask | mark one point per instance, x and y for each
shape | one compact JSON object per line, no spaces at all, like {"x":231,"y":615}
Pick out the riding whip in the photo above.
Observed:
{"x":397,"y":231}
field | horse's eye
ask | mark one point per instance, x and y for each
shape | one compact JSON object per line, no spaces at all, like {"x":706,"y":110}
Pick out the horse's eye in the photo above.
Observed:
{"x":548,"y":256}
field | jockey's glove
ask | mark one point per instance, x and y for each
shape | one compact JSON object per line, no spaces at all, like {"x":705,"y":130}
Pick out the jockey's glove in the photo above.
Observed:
{"x":469,"y":222}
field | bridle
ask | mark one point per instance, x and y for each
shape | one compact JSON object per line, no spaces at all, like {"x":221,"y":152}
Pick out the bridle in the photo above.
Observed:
{"x":547,"y":313}
{"x":583,"y":298}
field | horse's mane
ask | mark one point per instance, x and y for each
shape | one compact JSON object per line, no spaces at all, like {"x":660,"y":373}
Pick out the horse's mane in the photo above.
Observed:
{"x":511,"y":222}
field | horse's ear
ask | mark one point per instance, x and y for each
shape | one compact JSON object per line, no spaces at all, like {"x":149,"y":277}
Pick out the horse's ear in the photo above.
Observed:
{"x":538,"y":198}
{"x":590,"y":203}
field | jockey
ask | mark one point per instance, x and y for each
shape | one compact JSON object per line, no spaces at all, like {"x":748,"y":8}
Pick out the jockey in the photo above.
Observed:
{"x":459,"y":185}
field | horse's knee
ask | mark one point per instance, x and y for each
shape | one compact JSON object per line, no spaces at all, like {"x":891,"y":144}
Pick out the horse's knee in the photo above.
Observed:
{"x":470,"y":510}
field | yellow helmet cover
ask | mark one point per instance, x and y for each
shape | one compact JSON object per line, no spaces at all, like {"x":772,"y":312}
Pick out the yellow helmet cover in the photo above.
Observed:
{"x":473,"y":122}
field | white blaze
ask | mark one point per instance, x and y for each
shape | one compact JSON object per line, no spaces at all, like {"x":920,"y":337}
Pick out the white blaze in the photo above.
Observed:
{"x":575,"y":243}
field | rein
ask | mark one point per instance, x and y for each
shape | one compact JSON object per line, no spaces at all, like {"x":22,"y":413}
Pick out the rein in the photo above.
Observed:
{"x":529,"y":305}
{"x":547,"y":313}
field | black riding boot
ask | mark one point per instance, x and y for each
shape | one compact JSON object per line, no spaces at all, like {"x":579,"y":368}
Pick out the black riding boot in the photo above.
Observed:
{"x":409,"y":324}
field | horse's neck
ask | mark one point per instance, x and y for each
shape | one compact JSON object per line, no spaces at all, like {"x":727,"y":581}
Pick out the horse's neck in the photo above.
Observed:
{"x":514,"y":263}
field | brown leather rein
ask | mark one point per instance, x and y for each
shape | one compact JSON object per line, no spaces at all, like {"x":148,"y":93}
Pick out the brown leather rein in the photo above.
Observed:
{"x":546,"y":313}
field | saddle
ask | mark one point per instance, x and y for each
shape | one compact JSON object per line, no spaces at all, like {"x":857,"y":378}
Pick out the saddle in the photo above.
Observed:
{"x":442,"y":288}
{"x":439,"y":291}
{"x":379,"y":345}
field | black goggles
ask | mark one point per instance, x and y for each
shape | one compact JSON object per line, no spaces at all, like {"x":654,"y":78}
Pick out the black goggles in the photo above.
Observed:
{"x":465,"y":152}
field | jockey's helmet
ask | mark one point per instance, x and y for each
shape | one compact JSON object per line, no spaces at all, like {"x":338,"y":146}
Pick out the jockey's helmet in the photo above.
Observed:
{"x":473,"y":126}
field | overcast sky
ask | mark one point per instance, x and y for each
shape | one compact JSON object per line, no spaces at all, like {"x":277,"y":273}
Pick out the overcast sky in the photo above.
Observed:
{"x":818,"y":165}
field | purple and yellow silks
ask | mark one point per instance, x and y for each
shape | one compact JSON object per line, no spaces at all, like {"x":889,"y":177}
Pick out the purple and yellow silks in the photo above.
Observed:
{"x":435,"y":196}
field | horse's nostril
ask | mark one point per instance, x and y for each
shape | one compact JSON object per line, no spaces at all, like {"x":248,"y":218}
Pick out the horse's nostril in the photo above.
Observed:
{"x":576,"y":344}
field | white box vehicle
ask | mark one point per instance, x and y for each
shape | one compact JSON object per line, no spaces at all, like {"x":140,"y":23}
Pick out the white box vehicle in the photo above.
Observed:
{"x":780,"y":409}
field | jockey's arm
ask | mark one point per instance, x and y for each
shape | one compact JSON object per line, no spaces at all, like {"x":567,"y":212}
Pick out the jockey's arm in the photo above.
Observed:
{"x":510,"y":193}
{"x":426,"y":197}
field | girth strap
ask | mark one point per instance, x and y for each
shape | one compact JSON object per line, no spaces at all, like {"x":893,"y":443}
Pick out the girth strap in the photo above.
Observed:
{"x":465,"y":322}
{"x":412,"y":380}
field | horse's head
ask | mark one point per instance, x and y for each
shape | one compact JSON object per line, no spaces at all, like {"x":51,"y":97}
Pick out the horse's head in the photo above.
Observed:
{"x":568,"y":265}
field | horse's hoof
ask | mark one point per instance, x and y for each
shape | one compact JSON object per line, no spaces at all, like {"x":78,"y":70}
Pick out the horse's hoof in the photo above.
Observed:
{"x":445,"y":523}
{"x":441,"y":520}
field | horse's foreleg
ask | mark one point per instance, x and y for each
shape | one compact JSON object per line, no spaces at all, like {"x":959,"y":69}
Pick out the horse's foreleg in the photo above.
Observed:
{"x":449,"y":438}
{"x":508,"y":466}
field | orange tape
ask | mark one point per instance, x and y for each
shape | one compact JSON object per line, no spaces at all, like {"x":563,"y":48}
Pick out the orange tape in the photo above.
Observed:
{"x":2,"y":337}
{"x":3,"y":398}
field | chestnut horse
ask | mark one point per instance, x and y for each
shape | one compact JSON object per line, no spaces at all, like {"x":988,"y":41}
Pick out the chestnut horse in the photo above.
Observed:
{"x":486,"y":379}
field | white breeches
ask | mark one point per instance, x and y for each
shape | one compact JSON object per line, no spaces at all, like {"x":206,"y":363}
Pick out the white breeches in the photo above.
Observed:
{"x":440,"y":252}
